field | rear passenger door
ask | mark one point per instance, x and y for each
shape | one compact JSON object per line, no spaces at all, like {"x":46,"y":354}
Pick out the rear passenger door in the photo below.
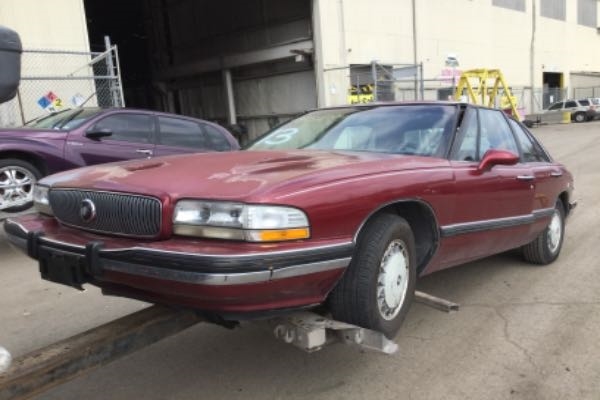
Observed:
{"x":571,"y":106}
{"x":179,"y":136}
{"x":544,"y":171}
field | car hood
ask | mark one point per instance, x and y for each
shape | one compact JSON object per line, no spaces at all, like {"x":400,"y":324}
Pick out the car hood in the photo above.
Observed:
{"x":28,"y":133}
{"x":241,"y":175}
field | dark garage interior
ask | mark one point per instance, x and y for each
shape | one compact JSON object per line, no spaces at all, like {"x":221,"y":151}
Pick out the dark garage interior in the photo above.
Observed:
{"x":236,"y":63}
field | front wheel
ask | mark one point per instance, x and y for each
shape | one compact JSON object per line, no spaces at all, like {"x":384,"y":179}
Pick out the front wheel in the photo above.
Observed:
{"x":378,"y":287}
{"x":17,"y":178}
{"x":546,"y":247}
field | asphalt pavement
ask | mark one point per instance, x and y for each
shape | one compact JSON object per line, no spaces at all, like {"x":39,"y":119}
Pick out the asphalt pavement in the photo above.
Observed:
{"x":523,"y":331}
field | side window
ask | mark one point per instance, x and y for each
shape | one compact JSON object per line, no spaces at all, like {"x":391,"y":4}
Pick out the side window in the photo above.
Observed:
{"x":495,"y":132}
{"x":216,"y":139}
{"x":467,"y":142}
{"x":570,"y":104}
{"x":556,"y":106}
{"x":181,"y":133}
{"x":530,"y":150}
{"x":584,"y":102}
{"x":136,"y":128}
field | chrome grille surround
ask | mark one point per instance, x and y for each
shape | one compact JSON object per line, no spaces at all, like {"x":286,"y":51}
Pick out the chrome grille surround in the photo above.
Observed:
{"x":119,"y":214}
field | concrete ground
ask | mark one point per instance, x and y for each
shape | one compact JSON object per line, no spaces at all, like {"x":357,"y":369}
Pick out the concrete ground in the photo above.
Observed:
{"x":523,"y":331}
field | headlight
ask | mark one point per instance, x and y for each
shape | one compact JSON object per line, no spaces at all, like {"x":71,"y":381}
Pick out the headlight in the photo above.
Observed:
{"x":237,"y":221}
{"x":41,"y":200}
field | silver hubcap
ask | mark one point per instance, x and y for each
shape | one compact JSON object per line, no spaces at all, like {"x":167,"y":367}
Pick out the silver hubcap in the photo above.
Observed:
{"x":554,"y":232}
{"x":16,"y":186}
{"x":392,"y":282}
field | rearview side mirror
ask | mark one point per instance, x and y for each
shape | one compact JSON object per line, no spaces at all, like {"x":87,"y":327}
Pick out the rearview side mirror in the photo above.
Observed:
{"x":494,"y":157}
{"x":10,"y":63}
{"x":98,"y":133}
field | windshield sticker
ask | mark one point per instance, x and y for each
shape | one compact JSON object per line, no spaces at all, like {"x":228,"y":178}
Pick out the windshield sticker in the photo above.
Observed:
{"x":280,"y":136}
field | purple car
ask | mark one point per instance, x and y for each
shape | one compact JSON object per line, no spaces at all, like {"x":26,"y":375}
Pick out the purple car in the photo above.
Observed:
{"x":86,"y":136}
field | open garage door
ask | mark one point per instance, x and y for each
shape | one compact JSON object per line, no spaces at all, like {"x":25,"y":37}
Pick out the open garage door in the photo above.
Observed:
{"x":233,"y":62}
{"x":262,"y":99}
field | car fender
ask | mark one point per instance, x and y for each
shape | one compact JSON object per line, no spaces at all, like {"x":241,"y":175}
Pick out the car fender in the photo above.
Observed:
{"x":46,"y":153}
{"x":424,"y":224}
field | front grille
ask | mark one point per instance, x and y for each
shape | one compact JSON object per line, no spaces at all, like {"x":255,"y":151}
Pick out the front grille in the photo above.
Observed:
{"x":115,"y":213}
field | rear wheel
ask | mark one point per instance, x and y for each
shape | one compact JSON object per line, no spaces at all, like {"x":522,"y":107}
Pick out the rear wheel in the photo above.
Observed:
{"x":546,"y":247}
{"x":17,"y":178}
{"x":579,"y":117}
{"x":379,"y":285}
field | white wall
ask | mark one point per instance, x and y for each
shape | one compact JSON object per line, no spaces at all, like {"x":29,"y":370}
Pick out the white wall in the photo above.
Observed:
{"x":56,"y":24}
{"x":47,"y":25}
{"x":481,"y":35}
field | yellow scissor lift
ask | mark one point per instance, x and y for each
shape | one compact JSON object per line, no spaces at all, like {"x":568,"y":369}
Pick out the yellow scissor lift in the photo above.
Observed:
{"x":486,"y":87}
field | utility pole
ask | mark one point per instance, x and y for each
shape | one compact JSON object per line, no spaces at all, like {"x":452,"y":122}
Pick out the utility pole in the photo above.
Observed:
{"x":414,"y":26}
{"x":532,"y":58}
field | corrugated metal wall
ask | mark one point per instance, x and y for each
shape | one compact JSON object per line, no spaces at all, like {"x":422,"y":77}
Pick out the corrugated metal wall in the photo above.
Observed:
{"x":263,"y":102}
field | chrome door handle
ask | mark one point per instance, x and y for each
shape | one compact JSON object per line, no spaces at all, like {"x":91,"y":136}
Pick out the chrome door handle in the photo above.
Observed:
{"x":145,"y":151}
{"x":525,"y":177}
{"x":556,"y":174}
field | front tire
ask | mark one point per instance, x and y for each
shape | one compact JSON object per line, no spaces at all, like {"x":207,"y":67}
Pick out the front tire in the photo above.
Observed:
{"x":546,"y":247}
{"x":378,"y":287}
{"x":17,"y":178}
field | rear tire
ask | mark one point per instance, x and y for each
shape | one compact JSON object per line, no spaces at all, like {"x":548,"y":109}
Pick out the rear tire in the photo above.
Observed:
{"x":579,"y":117}
{"x":17,"y":178}
{"x":546,"y":247}
{"x":378,"y":287}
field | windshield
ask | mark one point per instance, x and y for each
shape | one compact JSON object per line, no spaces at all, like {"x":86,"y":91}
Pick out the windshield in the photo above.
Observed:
{"x":64,"y":120}
{"x":409,"y":129}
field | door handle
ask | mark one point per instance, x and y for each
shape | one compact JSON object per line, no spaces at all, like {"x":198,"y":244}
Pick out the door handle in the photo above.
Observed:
{"x":556,"y":174}
{"x":525,"y":177}
{"x":147,"y":152}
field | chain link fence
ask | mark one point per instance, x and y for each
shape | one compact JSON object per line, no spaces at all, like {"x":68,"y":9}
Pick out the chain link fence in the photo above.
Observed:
{"x":54,"y":80}
{"x":405,"y":82}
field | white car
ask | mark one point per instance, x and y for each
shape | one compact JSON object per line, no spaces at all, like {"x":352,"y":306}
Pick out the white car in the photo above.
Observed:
{"x":581,"y":110}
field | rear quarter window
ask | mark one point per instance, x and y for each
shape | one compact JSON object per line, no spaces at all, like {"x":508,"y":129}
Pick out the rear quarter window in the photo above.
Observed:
{"x":216,"y":138}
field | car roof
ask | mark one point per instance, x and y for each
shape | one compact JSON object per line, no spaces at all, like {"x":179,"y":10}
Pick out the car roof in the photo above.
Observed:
{"x":106,"y":110}
{"x":405,"y":103}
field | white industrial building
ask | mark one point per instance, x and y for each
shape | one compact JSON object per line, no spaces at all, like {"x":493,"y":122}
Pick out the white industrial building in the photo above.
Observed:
{"x":257,"y":62}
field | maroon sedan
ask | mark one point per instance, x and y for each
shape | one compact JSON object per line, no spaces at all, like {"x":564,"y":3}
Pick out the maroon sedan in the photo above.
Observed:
{"x":344,"y":207}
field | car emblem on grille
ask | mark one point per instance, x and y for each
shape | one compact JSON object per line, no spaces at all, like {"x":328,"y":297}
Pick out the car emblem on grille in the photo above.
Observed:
{"x":87,"y":212}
